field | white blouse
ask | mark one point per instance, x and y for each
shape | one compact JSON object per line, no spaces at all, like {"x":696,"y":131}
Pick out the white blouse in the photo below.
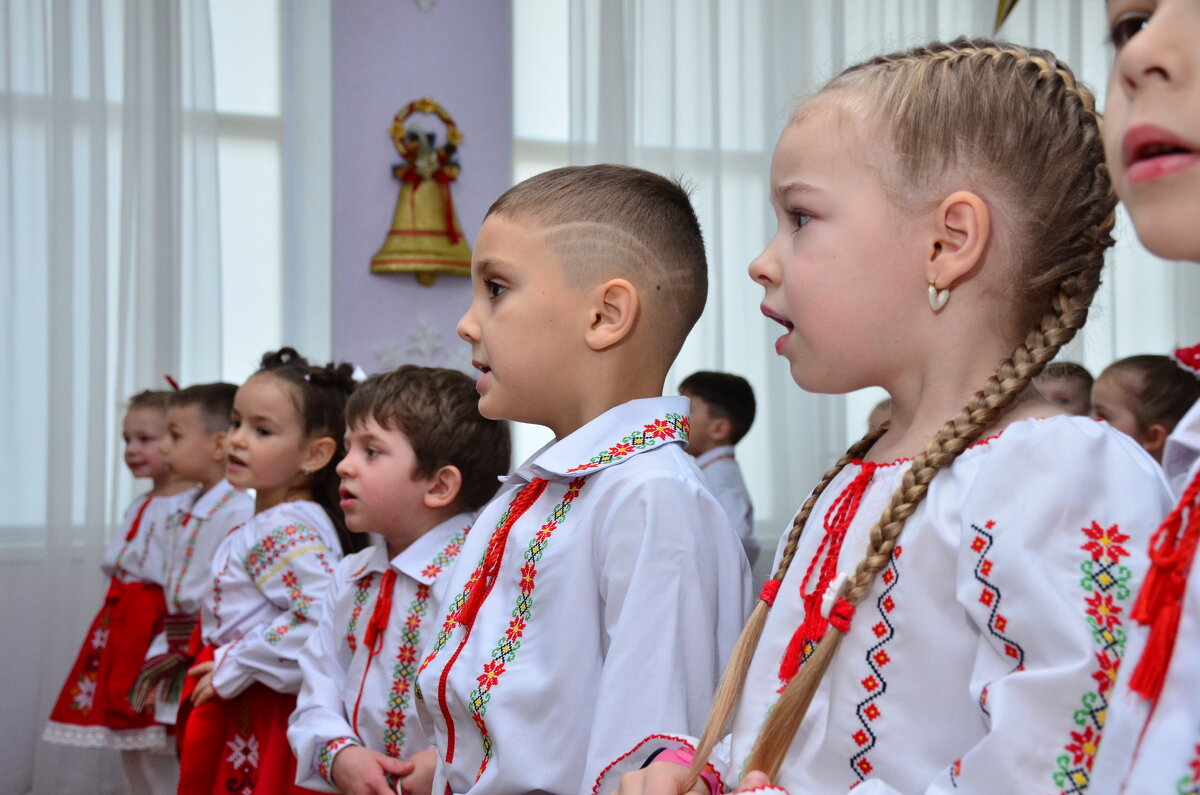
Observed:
{"x":266,"y":597}
{"x":614,"y":606}
{"x":194,"y":531}
{"x":720,"y":472}
{"x":354,"y":694}
{"x":143,"y":557}
{"x":983,"y":656}
{"x":1160,"y":752}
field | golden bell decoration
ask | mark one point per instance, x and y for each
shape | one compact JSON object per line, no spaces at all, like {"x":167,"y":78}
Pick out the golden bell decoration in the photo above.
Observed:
{"x":426,"y":238}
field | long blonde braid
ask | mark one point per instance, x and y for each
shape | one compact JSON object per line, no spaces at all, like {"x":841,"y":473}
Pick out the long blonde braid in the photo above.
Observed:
{"x":1018,"y":117}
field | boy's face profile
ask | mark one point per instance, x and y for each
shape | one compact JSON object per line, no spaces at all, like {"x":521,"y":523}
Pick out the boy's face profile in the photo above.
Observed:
{"x":525,"y":325}
{"x":380,"y":492}
{"x":188,"y":447}
{"x":700,"y":420}
{"x":1152,"y":121}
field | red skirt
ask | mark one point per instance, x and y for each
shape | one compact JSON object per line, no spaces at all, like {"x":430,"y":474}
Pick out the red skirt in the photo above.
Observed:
{"x":93,"y":708}
{"x":239,"y":745}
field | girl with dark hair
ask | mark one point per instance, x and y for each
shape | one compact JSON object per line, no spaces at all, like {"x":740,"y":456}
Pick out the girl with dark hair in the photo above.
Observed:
{"x":285,"y":441}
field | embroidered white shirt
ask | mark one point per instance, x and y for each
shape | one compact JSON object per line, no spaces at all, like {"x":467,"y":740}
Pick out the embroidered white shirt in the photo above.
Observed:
{"x":617,"y":600}
{"x":269,"y":578}
{"x":143,"y":558}
{"x":982,"y":658}
{"x":720,"y":472}
{"x":1167,"y":759}
{"x":194,"y":531}
{"x":356,"y":695}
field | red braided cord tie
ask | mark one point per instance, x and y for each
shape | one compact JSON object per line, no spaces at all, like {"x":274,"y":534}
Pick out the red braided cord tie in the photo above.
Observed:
{"x":373,"y":635}
{"x":769,"y":591}
{"x":1160,"y":602}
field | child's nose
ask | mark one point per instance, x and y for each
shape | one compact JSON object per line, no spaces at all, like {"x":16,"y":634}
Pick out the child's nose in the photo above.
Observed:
{"x":763,"y":269}
{"x":343,"y":468}
{"x":467,"y":328}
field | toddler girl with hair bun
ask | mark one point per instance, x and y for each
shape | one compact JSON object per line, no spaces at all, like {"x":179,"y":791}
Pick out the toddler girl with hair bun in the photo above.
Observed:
{"x":270,"y":576}
{"x":953,"y":614}
{"x":93,"y":709}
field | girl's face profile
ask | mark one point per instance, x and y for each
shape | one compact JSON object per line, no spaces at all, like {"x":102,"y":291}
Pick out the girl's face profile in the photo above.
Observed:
{"x":1152,"y":121}
{"x":266,"y":446}
{"x":841,"y":248}
{"x":142,"y":431}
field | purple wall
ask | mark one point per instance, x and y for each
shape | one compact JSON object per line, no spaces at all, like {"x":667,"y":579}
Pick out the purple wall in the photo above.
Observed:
{"x":387,"y":53}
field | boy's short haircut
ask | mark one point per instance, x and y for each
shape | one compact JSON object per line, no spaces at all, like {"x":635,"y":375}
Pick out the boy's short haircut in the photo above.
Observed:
{"x":608,"y":221}
{"x":727,"y":396}
{"x":437,"y":410}
{"x":1160,"y":391}
{"x":1067,"y":370}
{"x":215,"y":401}
{"x":150,"y":399}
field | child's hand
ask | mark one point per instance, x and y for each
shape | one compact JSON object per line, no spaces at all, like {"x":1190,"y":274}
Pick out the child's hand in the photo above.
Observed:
{"x":361,"y":771}
{"x":659,"y":778}
{"x":420,"y":780}
{"x":204,"y":688}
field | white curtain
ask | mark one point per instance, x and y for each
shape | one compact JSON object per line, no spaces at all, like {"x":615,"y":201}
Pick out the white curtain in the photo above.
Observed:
{"x":702,"y":88}
{"x":109,"y":245}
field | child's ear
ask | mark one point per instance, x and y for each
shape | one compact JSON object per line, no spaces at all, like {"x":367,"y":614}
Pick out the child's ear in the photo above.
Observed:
{"x":962,"y":228}
{"x":217,"y":448}
{"x":720,"y":430}
{"x":1154,"y":440}
{"x":614,"y":314}
{"x":444,"y":487}
{"x":320,"y":453}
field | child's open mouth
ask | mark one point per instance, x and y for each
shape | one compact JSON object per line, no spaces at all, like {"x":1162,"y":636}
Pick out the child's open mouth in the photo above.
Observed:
{"x":787,"y":324}
{"x":1151,"y":152}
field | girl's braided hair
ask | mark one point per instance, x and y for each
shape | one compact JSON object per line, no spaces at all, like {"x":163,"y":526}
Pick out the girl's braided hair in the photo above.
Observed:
{"x":320,"y":395}
{"x":1012,"y":124}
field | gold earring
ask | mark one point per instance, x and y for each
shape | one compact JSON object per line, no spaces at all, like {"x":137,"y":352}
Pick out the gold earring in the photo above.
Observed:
{"x":937,"y":298}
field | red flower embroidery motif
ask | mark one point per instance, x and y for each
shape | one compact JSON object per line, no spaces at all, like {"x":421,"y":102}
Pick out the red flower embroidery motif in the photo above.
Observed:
{"x":1102,"y":608}
{"x":872,"y":712}
{"x":1196,"y":765}
{"x":431,"y":571}
{"x":491,"y":672}
{"x":861,"y":737}
{"x":1083,"y":746}
{"x":660,"y":429}
{"x":889,"y":604}
{"x":621,"y":448}
{"x":1106,"y":675}
{"x":413,"y":621}
{"x":516,"y":628}
{"x":1001,"y":622}
{"x":882,"y":658}
{"x":986,"y":597}
{"x":1105,"y":543}
{"x":528,"y":573}
{"x":865,"y":766}
{"x":395,"y":720}
{"x":870,"y":683}
{"x":879,"y":629}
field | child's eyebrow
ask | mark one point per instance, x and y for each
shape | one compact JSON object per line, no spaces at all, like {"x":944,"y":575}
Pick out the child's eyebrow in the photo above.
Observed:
{"x":779,"y":193}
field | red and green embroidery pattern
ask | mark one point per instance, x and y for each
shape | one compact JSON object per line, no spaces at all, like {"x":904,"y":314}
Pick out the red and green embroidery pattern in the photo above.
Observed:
{"x":326,"y":754}
{"x":1190,"y":783}
{"x":301,"y":605}
{"x":1106,"y":583}
{"x":404,"y":673}
{"x":361,"y":591}
{"x":875,"y":683}
{"x":675,"y":426}
{"x":509,"y":644}
{"x":281,"y":543}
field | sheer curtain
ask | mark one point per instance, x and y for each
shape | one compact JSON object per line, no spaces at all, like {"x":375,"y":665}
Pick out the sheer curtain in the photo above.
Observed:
{"x":110,"y":248}
{"x":703,"y":88}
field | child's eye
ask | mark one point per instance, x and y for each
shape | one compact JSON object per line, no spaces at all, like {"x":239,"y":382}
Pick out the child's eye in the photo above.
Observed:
{"x":370,"y":453}
{"x":800,"y":220}
{"x":1126,"y":27}
{"x":494,"y":288}
{"x":235,"y":424}
{"x":261,"y":431}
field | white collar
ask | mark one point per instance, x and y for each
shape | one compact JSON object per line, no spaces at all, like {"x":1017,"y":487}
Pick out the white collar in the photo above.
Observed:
{"x":612,"y":438}
{"x":424,"y":559}
{"x":213,"y":500}
{"x":718,"y":452}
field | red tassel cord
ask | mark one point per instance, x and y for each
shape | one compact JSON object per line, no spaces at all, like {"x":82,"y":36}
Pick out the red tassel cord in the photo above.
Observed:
{"x":373,"y":634}
{"x":837,"y":521}
{"x":482,"y":581}
{"x":1160,"y":602}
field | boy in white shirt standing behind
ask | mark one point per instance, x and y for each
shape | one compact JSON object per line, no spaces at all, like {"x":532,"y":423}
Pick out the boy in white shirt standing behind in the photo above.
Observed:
{"x":602,"y":589}
{"x":722,"y":412}
{"x":420,"y":459}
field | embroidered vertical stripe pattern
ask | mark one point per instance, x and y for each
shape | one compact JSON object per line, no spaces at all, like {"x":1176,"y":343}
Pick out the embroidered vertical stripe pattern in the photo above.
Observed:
{"x":301,"y":605}
{"x":675,"y":426}
{"x":1105,"y":583}
{"x":875,"y":683}
{"x":506,"y":648}
{"x":404,"y":672}
{"x":990,"y":597}
{"x":189,"y":551}
{"x":362,"y":590}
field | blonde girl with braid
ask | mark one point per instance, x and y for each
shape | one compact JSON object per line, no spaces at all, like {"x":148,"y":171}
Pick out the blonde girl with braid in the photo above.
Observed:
{"x":948,"y":609}
{"x":1152,"y":135}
